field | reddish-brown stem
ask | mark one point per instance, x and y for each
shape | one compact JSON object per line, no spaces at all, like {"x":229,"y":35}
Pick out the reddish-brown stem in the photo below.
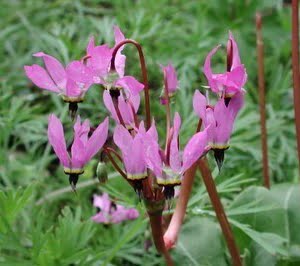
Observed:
{"x":157,"y":233}
{"x":220,"y":213}
{"x":144,"y":74}
{"x":295,"y":68}
{"x":114,"y":152}
{"x":115,"y":165}
{"x":171,"y":235}
{"x":119,"y":115}
{"x":262,"y":100}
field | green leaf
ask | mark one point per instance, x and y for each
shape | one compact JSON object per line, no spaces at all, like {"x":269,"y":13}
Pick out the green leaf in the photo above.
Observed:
{"x":200,"y":243}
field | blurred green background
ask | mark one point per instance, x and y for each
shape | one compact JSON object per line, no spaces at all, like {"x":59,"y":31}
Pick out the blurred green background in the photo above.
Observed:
{"x":43,"y":222}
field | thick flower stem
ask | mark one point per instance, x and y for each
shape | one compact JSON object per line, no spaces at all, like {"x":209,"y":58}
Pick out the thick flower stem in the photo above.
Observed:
{"x":295,"y":68}
{"x":262,"y":100}
{"x":144,"y":74}
{"x":171,"y":235}
{"x":157,"y":234}
{"x":220,"y":213}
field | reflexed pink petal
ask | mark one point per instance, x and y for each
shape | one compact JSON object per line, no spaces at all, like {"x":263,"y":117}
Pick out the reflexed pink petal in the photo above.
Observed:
{"x":132,"y":214}
{"x":40,"y":78}
{"x":57,"y":140}
{"x":122,"y":138}
{"x":97,"y":140}
{"x":194,"y":149}
{"x":54,"y":68}
{"x":90,"y":46}
{"x":131,"y":84}
{"x":171,"y":77}
{"x":199,"y":104}
{"x":236,"y":61}
{"x":208,"y":71}
{"x":100,"y":60}
{"x":153,"y":132}
{"x":82,"y":130}
{"x":78,"y":72}
{"x":72,"y":89}
{"x":126,"y":111}
{"x":78,"y":153}
{"x":110,"y":105}
{"x":236,"y":103}
{"x":120,"y":59}
{"x":152,"y":155}
{"x":103,"y":202}
{"x":175,"y":160}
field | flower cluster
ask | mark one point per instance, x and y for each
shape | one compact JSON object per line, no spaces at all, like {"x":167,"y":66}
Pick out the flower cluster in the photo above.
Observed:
{"x":153,"y":171}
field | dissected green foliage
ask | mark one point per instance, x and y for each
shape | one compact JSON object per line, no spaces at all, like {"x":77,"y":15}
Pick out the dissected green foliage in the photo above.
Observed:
{"x":43,"y":223}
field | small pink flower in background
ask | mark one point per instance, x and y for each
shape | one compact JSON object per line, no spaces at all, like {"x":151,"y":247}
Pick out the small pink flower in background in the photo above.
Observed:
{"x":232,"y":81}
{"x":71,"y":82}
{"x":98,"y":61}
{"x":111,"y":213}
{"x":169,"y":166}
{"x":83,"y":147}
{"x":128,"y":107}
{"x":170,"y":82}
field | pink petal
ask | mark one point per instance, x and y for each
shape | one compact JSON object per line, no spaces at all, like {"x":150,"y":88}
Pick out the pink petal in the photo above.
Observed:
{"x":54,"y":68}
{"x":40,"y":78}
{"x":122,"y":138}
{"x":236,"y":61}
{"x":171,"y":77}
{"x":90,"y":46}
{"x":208,"y":71}
{"x":102,"y":218}
{"x":126,"y":111}
{"x":103,"y":202}
{"x":175,"y":161}
{"x":78,"y":72}
{"x":120,"y":59}
{"x":131,"y":84}
{"x":57,"y":140}
{"x":119,"y":36}
{"x":97,"y":140}
{"x":110,"y":105}
{"x":82,"y":130}
{"x":72,"y":89}
{"x":78,"y":153}
{"x":199,"y":104}
{"x":194,"y":149}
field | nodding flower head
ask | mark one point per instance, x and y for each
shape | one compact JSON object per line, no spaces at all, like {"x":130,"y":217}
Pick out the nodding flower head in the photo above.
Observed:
{"x":220,"y":120}
{"x":82,"y":149}
{"x":71,"y":82}
{"x":133,"y":156}
{"x":128,"y":106}
{"x":229,"y":83}
{"x":110,"y":212}
{"x":169,"y":166}
{"x":170,"y":82}
{"x":99,"y":62}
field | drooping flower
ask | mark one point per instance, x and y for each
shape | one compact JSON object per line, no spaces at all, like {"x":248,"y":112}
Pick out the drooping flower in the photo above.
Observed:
{"x":71,"y":82}
{"x":132,"y":155}
{"x":99,"y":61}
{"x":83,"y":147}
{"x":220,"y":118}
{"x":111,"y":213}
{"x":170,"y":82}
{"x":127,"y":105}
{"x":229,"y":83}
{"x":169,"y":166}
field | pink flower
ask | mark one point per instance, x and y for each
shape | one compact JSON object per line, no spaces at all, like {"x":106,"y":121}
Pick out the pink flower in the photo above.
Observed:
{"x":220,"y":118}
{"x":127,"y":105}
{"x":232,"y":81}
{"x":99,"y":59}
{"x":169,"y":166}
{"x":111,"y":213}
{"x":71,"y":82}
{"x":83,"y":147}
{"x":170,"y":82}
{"x":132,"y":153}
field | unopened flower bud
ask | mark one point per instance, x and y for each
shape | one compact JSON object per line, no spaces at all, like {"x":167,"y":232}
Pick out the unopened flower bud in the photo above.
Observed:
{"x":101,"y":172}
